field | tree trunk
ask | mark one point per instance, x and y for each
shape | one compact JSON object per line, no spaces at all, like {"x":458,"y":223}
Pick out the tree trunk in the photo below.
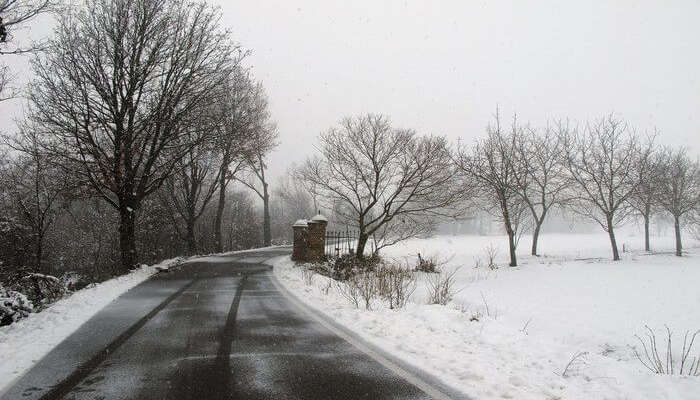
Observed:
{"x":267,"y":231}
{"x":535,"y":237}
{"x":613,"y":242}
{"x":511,"y":248}
{"x":647,"y":245}
{"x":39,"y":250}
{"x":679,"y":245}
{"x":361,"y":243}
{"x":218,"y":241}
{"x":127,"y":238}
{"x":511,"y":235}
{"x":189,"y":238}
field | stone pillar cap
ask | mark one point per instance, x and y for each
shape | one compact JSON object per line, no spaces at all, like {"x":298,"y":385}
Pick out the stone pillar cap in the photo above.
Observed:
{"x":319,"y":218}
{"x":300,"y":223}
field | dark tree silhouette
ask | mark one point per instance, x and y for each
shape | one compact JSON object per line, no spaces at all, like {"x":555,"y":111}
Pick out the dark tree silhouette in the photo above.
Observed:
{"x":115,"y":94}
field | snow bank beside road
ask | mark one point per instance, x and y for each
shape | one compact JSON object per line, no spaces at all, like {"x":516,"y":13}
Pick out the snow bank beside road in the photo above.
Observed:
{"x":590,"y":306}
{"x":28,"y":340}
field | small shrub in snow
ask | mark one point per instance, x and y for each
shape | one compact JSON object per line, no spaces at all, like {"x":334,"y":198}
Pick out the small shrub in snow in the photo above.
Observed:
{"x":441,"y":287}
{"x":491,"y":252}
{"x":367,"y":286}
{"x":326,"y":286}
{"x":489,"y":260}
{"x":350,"y":292}
{"x":13,"y":306}
{"x":428,"y":264}
{"x":661,"y":361}
{"x":307,"y":275}
{"x":395,"y":283}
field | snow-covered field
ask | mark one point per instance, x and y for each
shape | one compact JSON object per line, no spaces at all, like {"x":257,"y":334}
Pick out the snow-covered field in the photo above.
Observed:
{"x":570,"y":300}
{"x":25,"y":342}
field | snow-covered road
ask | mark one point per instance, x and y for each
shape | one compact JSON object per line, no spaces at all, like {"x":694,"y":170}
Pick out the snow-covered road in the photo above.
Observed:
{"x":212,"y":328}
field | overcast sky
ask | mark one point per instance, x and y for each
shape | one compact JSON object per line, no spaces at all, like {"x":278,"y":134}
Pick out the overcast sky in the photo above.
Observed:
{"x":443,"y":67}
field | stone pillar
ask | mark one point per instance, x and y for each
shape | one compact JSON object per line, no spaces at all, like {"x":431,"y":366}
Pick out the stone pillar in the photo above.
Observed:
{"x":317,"y":238}
{"x":301,"y":240}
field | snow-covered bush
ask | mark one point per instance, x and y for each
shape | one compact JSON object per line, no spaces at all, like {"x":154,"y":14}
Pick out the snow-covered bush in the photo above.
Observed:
{"x":427,"y":264}
{"x":73,"y":281}
{"x":41,"y":289}
{"x":13,"y":306}
{"x":345,"y":266}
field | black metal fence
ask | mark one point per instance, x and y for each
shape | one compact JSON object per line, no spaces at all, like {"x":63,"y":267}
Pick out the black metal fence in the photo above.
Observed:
{"x":340,"y":243}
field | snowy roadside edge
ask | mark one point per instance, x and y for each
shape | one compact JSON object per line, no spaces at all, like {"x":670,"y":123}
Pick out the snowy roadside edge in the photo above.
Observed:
{"x":25,"y":342}
{"x":429,"y":383}
{"x":236,"y":252}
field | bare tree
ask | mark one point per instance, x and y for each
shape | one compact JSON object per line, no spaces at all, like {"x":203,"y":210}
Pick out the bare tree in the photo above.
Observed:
{"x":240,"y":112}
{"x":36,"y":188}
{"x":644,"y":198}
{"x":15,"y":15}
{"x":381,"y":177}
{"x":193,"y":186}
{"x":114,"y":94}
{"x":264,"y":135}
{"x":290,"y":201}
{"x":541,"y":178}
{"x":605,"y":163}
{"x":258,"y":183}
{"x":492,"y":164}
{"x":679,"y":191}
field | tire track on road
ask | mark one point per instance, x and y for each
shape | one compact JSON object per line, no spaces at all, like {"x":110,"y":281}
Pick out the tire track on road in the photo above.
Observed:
{"x":84,"y":370}
{"x":222,"y":365}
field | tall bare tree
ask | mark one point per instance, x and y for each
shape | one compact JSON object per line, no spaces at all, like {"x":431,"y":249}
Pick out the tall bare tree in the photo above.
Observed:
{"x":256,"y":166}
{"x":541,"y":178}
{"x":644,"y":199}
{"x":192,"y":187}
{"x":240,"y":115}
{"x":115,"y":92}
{"x":605,"y":163}
{"x":492,"y":163}
{"x":679,"y":191}
{"x":382,"y":177}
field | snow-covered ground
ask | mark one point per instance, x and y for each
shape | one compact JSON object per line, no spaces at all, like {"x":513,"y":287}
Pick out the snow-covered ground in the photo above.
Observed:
{"x":25,"y":342}
{"x":570,"y":300}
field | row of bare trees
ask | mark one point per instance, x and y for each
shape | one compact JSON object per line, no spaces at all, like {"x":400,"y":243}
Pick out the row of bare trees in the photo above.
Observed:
{"x":141,"y":112}
{"x":392,"y":184}
{"x":603,"y":171}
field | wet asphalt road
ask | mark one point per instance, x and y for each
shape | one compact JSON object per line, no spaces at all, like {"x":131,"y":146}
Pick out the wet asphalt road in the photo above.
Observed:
{"x":209,"y":330}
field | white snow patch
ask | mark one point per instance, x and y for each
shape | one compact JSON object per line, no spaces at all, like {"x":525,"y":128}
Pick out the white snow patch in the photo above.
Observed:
{"x":588,"y":305}
{"x":25,"y":342}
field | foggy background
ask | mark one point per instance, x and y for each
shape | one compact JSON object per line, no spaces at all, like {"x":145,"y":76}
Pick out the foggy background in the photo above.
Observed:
{"x":443,"y":67}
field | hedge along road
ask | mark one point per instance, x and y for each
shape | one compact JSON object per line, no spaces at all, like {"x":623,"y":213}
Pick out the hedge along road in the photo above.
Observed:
{"x":218,"y":328}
